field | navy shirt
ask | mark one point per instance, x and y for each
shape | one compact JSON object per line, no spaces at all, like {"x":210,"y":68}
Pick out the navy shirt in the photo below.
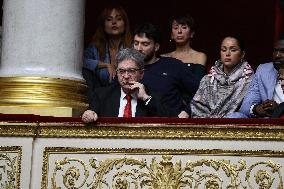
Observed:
{"x":172,"y":78}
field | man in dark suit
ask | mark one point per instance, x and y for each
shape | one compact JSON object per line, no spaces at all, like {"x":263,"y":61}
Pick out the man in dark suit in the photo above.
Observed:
{"x":128,"y":98}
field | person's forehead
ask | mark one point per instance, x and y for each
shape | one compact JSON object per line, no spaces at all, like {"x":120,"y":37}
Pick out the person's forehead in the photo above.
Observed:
{"x":128,"y":63}
{"x":115,"y":12}
{"x":183,"y":23}
{"x":141,"y":37}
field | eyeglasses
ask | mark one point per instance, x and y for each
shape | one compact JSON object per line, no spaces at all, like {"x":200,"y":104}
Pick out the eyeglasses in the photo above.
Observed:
{"x":130,"y":71}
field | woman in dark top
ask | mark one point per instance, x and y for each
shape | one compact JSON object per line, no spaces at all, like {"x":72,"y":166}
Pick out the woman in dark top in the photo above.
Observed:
{"x":182,"y":32}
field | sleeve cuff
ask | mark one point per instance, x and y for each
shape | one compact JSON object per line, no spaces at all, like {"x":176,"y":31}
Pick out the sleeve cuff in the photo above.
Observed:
{"x":251,"y":110}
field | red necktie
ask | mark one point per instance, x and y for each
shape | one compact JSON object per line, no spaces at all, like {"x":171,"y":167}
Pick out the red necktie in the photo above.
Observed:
{"x":127,"y":108}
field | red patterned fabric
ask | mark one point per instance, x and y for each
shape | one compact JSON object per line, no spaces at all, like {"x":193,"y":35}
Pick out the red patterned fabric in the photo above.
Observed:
{"x":127,"y":108}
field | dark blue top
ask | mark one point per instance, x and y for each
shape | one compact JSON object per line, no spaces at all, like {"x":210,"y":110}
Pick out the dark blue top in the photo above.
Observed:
{"x":197,"y":69}
{"x":172,"y":78}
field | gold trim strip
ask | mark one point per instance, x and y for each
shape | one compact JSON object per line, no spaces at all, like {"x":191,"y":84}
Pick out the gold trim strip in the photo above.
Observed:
{"x":164,"y":132}
{"x":147,"y":151}
{"x":18,"y":130}
{"x":80,"y":130}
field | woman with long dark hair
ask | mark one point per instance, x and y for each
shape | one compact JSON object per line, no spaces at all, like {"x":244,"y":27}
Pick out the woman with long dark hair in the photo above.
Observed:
{"x":112,"y":34}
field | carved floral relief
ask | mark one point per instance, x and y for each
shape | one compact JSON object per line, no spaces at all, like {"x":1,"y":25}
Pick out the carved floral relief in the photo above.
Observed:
{"x":164,"y":171}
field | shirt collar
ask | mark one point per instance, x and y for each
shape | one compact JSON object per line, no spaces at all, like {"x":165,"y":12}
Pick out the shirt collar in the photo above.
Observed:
{"x":123,"y":94}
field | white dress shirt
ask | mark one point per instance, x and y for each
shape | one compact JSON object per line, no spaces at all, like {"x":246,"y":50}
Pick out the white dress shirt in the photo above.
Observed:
{"x":278,"y":95}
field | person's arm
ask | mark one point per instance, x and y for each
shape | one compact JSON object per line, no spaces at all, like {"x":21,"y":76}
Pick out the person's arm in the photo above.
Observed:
{"x":91,"y":58}
{"x":92,"y":62}
{"x":199,"y":105}
{"x":264,"y":109}
{"x":156,"y":107}
{"x":89,"y":116}
{"x":93,"y":111}
{"x":252,"y":96}
{"x":183,"y":114}
{"x":152,"y":101}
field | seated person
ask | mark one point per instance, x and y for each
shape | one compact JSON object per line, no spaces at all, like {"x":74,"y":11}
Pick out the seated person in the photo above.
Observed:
{"x":222,"y":91}
{"x":164,"y":74}
{"x":265,"y":92}
{"x":129,"y":98}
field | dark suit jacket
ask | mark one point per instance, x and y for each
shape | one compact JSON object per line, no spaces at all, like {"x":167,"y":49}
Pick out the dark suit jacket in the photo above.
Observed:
{"x":106,"y":100}
{"x":279,"y":111}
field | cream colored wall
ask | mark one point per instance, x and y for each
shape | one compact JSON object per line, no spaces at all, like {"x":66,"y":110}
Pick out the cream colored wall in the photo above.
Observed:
{"x":70,"y":155}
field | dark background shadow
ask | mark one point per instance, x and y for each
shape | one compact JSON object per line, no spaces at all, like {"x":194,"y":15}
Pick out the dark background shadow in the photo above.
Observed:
{"x":253,"y":20}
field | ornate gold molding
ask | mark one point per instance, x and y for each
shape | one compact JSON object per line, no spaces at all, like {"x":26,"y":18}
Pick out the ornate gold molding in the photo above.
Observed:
{"x":164,"y":131}
{"x":18,"y":129}
{"x":10,"y":166}
{"x":164,"y":171}
{"x":157,"y":131}
{"x":42,"y":92}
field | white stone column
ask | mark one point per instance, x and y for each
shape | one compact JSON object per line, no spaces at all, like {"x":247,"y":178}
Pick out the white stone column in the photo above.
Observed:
{"x":42,"y":47}
{"x":43,"y":38}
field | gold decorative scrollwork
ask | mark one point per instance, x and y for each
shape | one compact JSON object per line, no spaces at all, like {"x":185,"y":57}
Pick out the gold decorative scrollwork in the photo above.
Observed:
{"x":265,"y":174}
{"x":71,"y":175}
{"x":8,"y":170}
{"x":134,"y":173}
{"x":108,"y":165}
{"x":213,"y":180}
{"x":162,"y":172}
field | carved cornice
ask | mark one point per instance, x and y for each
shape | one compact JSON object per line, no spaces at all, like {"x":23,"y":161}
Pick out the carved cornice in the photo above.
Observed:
{"x":157,"y":131}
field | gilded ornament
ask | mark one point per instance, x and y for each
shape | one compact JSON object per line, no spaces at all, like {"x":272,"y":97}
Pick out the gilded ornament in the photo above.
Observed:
{"x":265,"y":175}
{"x":9,"y":169}
{"x":71,"y":175}
{"x":163,"y":171}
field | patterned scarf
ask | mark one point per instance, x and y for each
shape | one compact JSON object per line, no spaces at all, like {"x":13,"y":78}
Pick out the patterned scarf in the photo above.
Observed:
{"x":219,"y":93}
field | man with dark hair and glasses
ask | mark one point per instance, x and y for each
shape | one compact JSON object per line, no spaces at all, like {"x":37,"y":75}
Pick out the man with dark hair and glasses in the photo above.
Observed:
{"x":128,"y":98}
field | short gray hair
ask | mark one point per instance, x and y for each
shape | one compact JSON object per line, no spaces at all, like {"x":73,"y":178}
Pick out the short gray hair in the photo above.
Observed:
{"x":131,"y":54}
